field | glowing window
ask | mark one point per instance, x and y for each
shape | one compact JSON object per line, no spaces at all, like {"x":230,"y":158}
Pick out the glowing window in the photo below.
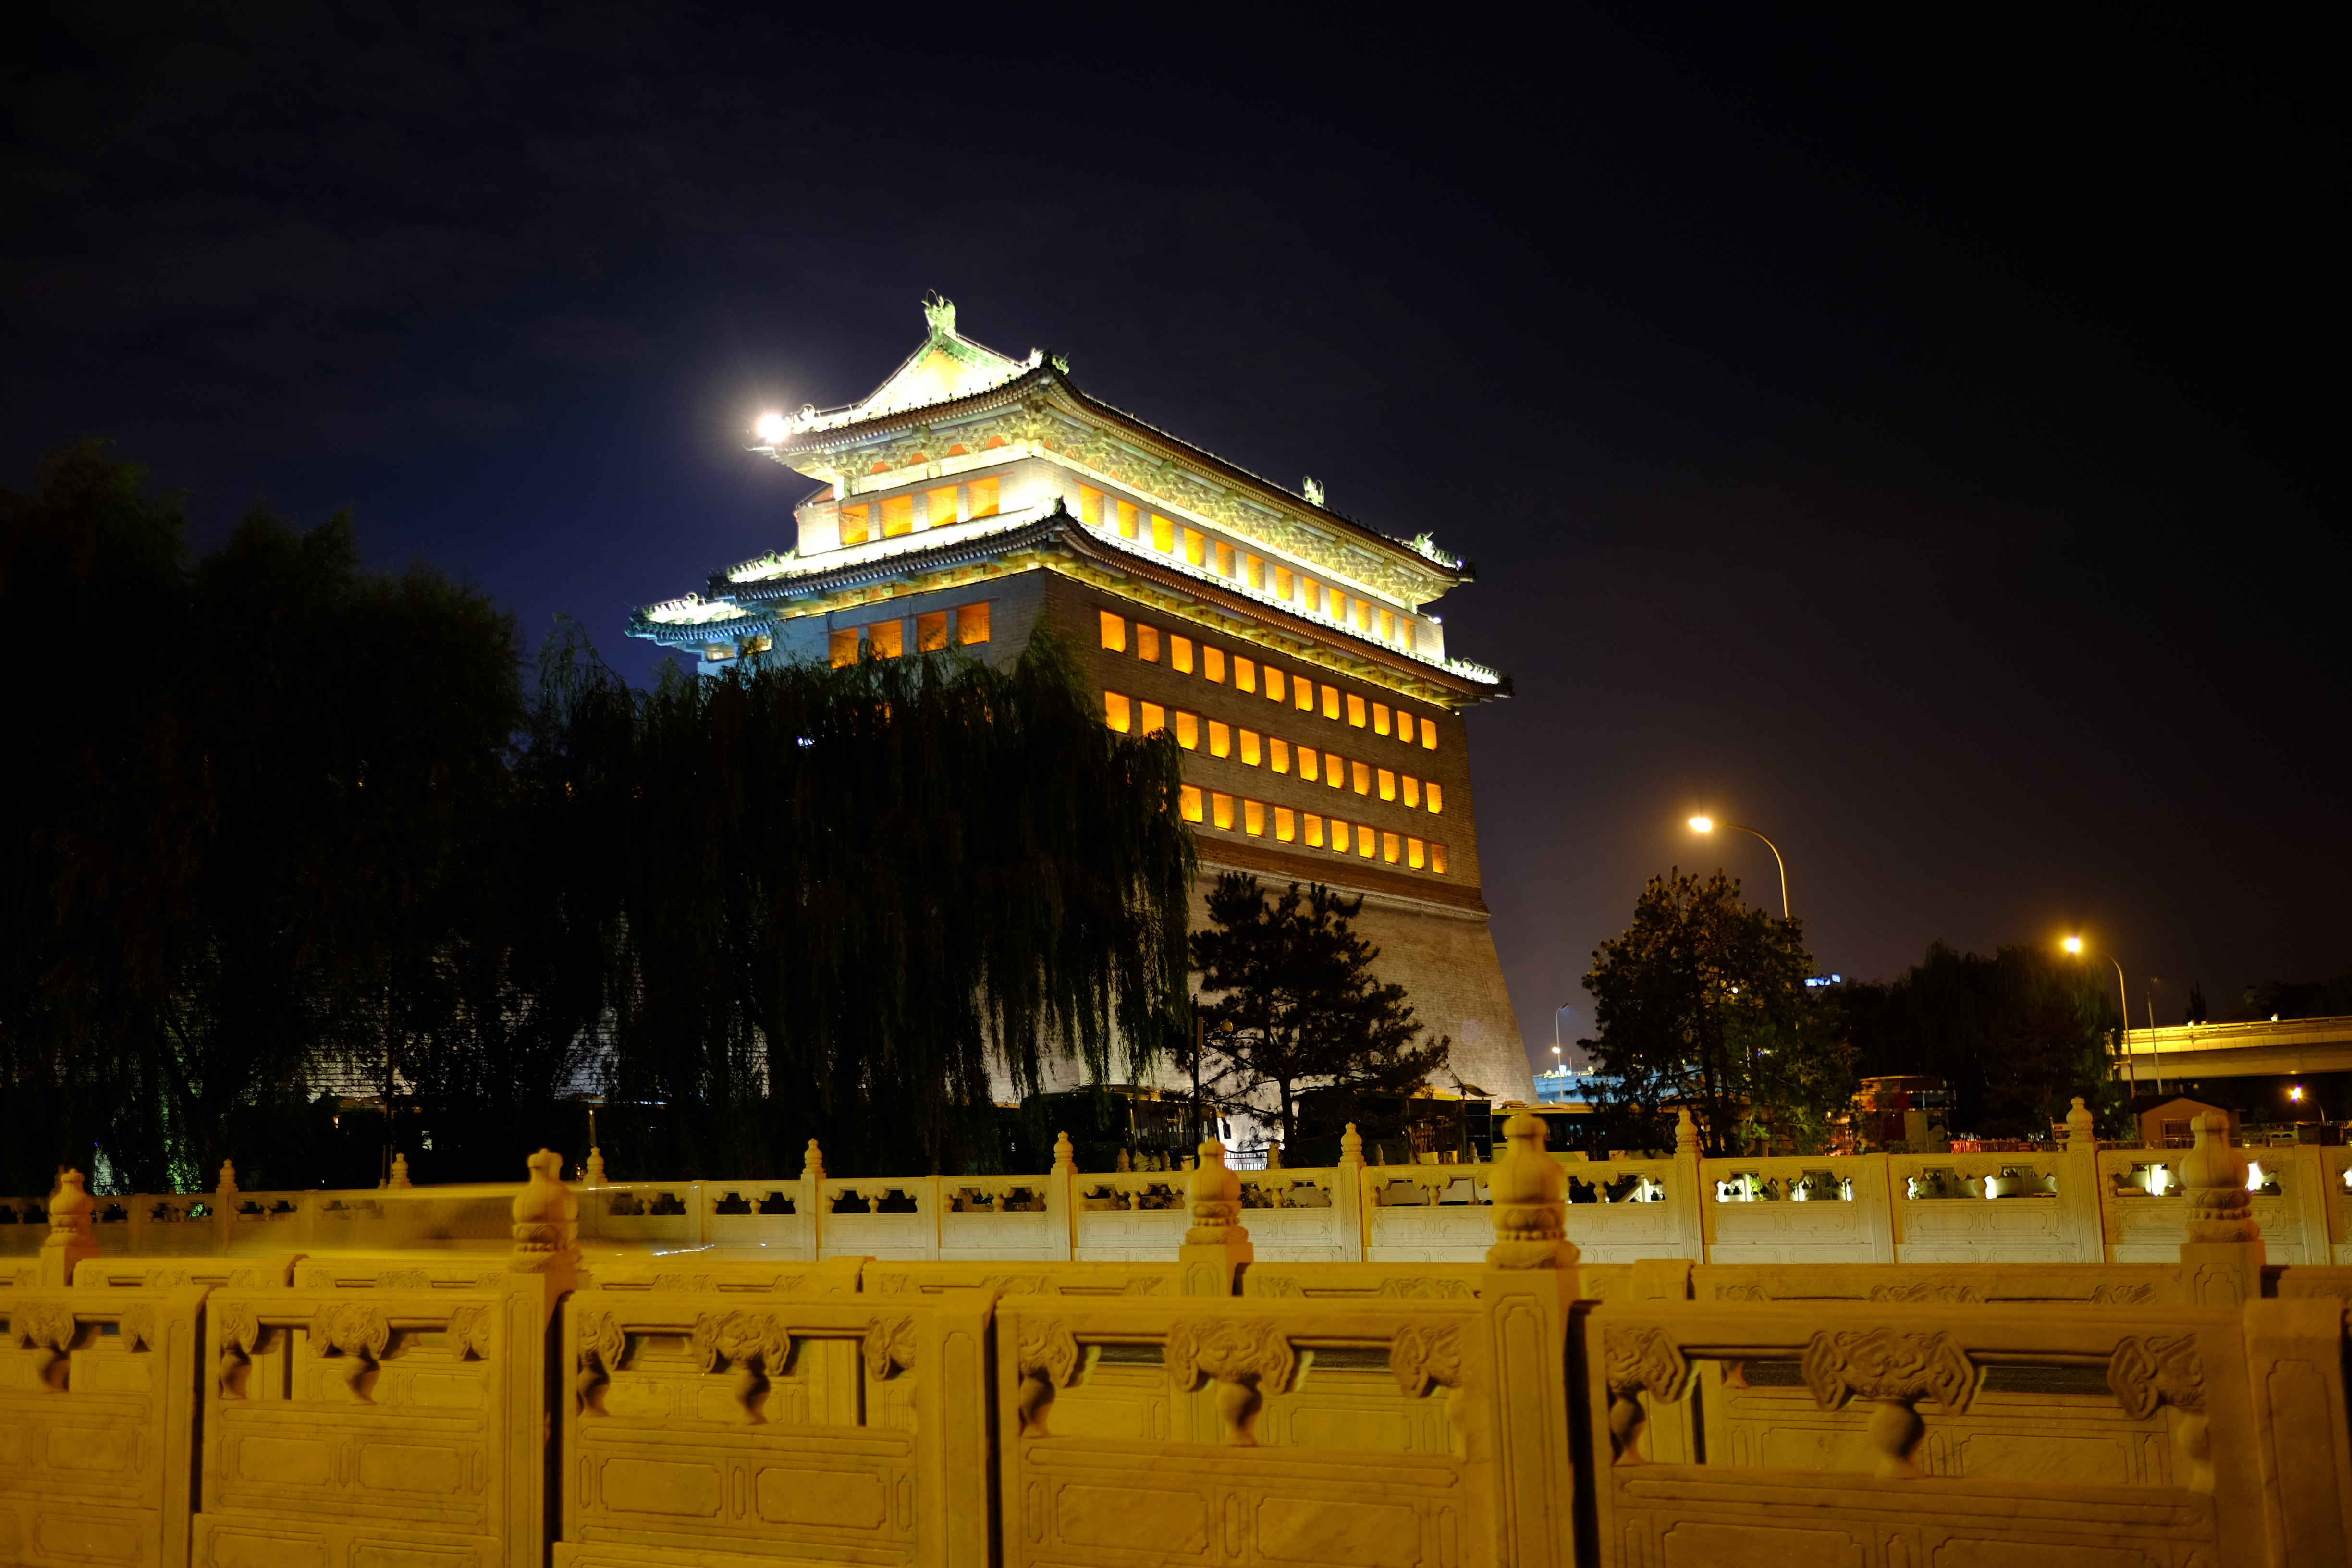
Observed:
{"x":1273,"y":692}
{"x":1180,"y":654}
{"x":1196,"y":547}
{"x":1436,"y":798}
{"x":1404,"y":631}
{"x":1278,"y":751}
{"x":971,"y":623}
{"x":1388,"y":784}
{"x":1220,"y":738}
{"x":1388,"y":634}
{"x":1437,"y":858}
{"x":1249,"y":747}
{"x":1389,"y":847}
{"x":898,"y":516}
{"x":1225,"y":559}
{"x":1163,"y":535}
{"x":1339,"y":604}
{"x":1127,"y":520}
{"x":1380,"y":718}
{"x":1306,"y":755}
{"x":1221,"y":809}
{"x":1355,"y":711}
{"x":1188,"y":730}
{"x":1212,"y":662}
{"x":1244,"y":674}
{"x":853,"y":525}
{"x":1147,"y":643}
{"x":1254,"y":819}
{"x":1416,"y":852}
{"x":1302,"y":695}
{"x":1331,"y":702}
{"x":931,"y":632}
{"x":1090,"y":501}
{"x":1253,"y":571}
{"x":1118,"y":712}
{"x":983,"y":496}
{"x":1363,"y":778}
{"x":1286,"y":825}
{"x":1285,"y":584}
{"x":1411,"y":791}
{"x":842,"y":647}
{"x":1314,"y":831}
{"x":1366,"y":841}
{"x":886,"y":638}
{"x":1155,"y":717}
{"x":1114,"y":632}
{"x":1188,"y":801}
{"x":1335,"y":770}
{"x":1339,"y":837}
{"x":1310,"y":596}
{"x":1404,"y":726}
{"x":1428,"y":736}
{"x":1364,"y":616}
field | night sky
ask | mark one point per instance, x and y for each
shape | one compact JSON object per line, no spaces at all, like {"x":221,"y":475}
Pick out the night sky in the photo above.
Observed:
{"x":1923,"y":443}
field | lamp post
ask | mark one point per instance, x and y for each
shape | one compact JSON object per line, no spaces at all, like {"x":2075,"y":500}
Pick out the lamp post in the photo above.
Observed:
{"x":1708,"y":824}
{"x":2074,"y":945}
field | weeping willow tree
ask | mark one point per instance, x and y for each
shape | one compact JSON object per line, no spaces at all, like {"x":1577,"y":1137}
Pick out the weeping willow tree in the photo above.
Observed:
{"x":822,"y":899}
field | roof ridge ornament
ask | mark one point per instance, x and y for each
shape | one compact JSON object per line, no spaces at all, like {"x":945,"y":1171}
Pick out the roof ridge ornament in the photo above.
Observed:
{"x":940,"y":312}
{"x":1312,"y":489}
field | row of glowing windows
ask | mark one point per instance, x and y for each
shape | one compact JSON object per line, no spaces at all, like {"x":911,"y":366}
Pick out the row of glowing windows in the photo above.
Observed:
{"x":1239,"y":565}
{"x":896,"y":514}
{"x":963,"y":625}
{"x":1248,"y":675}
{"x":1255,"y":818}
{"x":1129,"y":715}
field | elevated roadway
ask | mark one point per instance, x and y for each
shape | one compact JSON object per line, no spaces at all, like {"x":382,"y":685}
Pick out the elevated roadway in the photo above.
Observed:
{"x":2288,"y":1046}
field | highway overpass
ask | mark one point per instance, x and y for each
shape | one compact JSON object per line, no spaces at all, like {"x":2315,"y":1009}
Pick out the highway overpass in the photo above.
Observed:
{"x":2286,"y":1047}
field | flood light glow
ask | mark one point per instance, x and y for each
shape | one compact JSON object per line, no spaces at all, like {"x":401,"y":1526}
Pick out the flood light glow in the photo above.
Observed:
{"x":1702,"y":824}
{"x":772,"y":427}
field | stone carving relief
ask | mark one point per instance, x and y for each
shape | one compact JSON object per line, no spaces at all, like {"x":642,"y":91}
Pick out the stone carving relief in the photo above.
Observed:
{"x":756,"y":1346}
{"x":2150,"y":1372}
{"x":241,"y":1338}
{"x":1421,"y":1288}
{"x":1927,"y":1290}
{"x":47,"y":1329}
{"x":1245,"y":1359}
{"x":138,"y":1327}
{"x":602,"y":1348}
{"x":889,"y":1347}
{"x":1046,"y":1359}
{"x":1895,"y":1369}
{"x":471,"y":1327}
{"x":2123,"y":1295}
{"x":352,"y":1336}
{"x":1639,"y":1359}
{"x":1422,"y":1357}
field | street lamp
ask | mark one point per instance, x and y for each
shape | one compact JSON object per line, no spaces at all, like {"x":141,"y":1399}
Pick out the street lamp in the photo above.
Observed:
{"x":2074,"y":945}
{"x":1708,"y":824}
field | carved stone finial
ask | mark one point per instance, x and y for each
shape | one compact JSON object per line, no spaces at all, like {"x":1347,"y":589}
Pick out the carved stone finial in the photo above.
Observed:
{"x":227,"y":1178}
{"x":1216,"y":1196}
{"x":1126,"y":1163}
{"x":400,"y":1171}
{"x":69,"y":1241}
{"x":2214,"y":1178}
{"x":812,"y":1163}
{"x":595,"y":1172}
{"x":1065,"y":1155}
{"x":546,"y":1220}
{"x":2082,"y":1127}
{"x":1351,"y":1146}
{"x":1685,"y":1132}
{"x":939,"y":312}
{"x":1530,"y":1193}
{"x":1273,"y":1154}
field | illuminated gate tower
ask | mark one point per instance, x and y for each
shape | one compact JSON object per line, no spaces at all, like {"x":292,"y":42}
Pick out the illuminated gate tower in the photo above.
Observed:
{"x":1287,"y":647}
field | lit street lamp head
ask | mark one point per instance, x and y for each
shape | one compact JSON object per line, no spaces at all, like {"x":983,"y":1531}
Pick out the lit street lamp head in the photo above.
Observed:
{"x":1702,"y":824}
{"x":771,"y":428}
{"x":2073,"y":944}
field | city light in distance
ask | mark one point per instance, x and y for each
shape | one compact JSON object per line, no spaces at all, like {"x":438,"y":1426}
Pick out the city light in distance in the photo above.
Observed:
{"x":1702,"y":824}
{"x":772,"y":427}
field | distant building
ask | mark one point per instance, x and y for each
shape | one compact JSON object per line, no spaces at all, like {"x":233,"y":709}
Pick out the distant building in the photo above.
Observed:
{"x":1906,"y":1110}
{"x":1289,"y":649}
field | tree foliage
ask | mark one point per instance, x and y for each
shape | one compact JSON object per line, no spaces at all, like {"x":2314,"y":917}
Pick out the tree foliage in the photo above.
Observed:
{"x":1701,"y":1001}
{"x":1295,"y":1001}
{"x":271,"y":815}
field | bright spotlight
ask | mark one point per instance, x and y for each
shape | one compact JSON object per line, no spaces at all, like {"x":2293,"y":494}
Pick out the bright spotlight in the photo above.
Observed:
{"x":2073,"y":944}
{"x":772,"y":428}
{"x":1702,"y":824}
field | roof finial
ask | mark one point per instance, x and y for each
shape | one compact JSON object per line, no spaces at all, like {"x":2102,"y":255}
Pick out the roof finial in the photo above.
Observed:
{"x":1312,"y":489}
{"x":940,"y":311}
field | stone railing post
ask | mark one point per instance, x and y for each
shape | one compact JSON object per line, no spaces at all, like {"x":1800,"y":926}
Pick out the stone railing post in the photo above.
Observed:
{"x":1216,"y":1245}
{"x":1696,"y":1224}
{"x":1528,"y":1289}
{"x":1061,"y":1197}
{"x":1348,"y":1198}
{"x":547,"y":1227}
{"x":2221,"y":1260}
{"x":592,"y":1175}
{"x":69,"y":1242}
{"x":2078,"y":1186}
{"x":812,"y":1199}
{"x":400,"y":1172}
{"x":224,"y":1203}
{"x":1532,"y":1254}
